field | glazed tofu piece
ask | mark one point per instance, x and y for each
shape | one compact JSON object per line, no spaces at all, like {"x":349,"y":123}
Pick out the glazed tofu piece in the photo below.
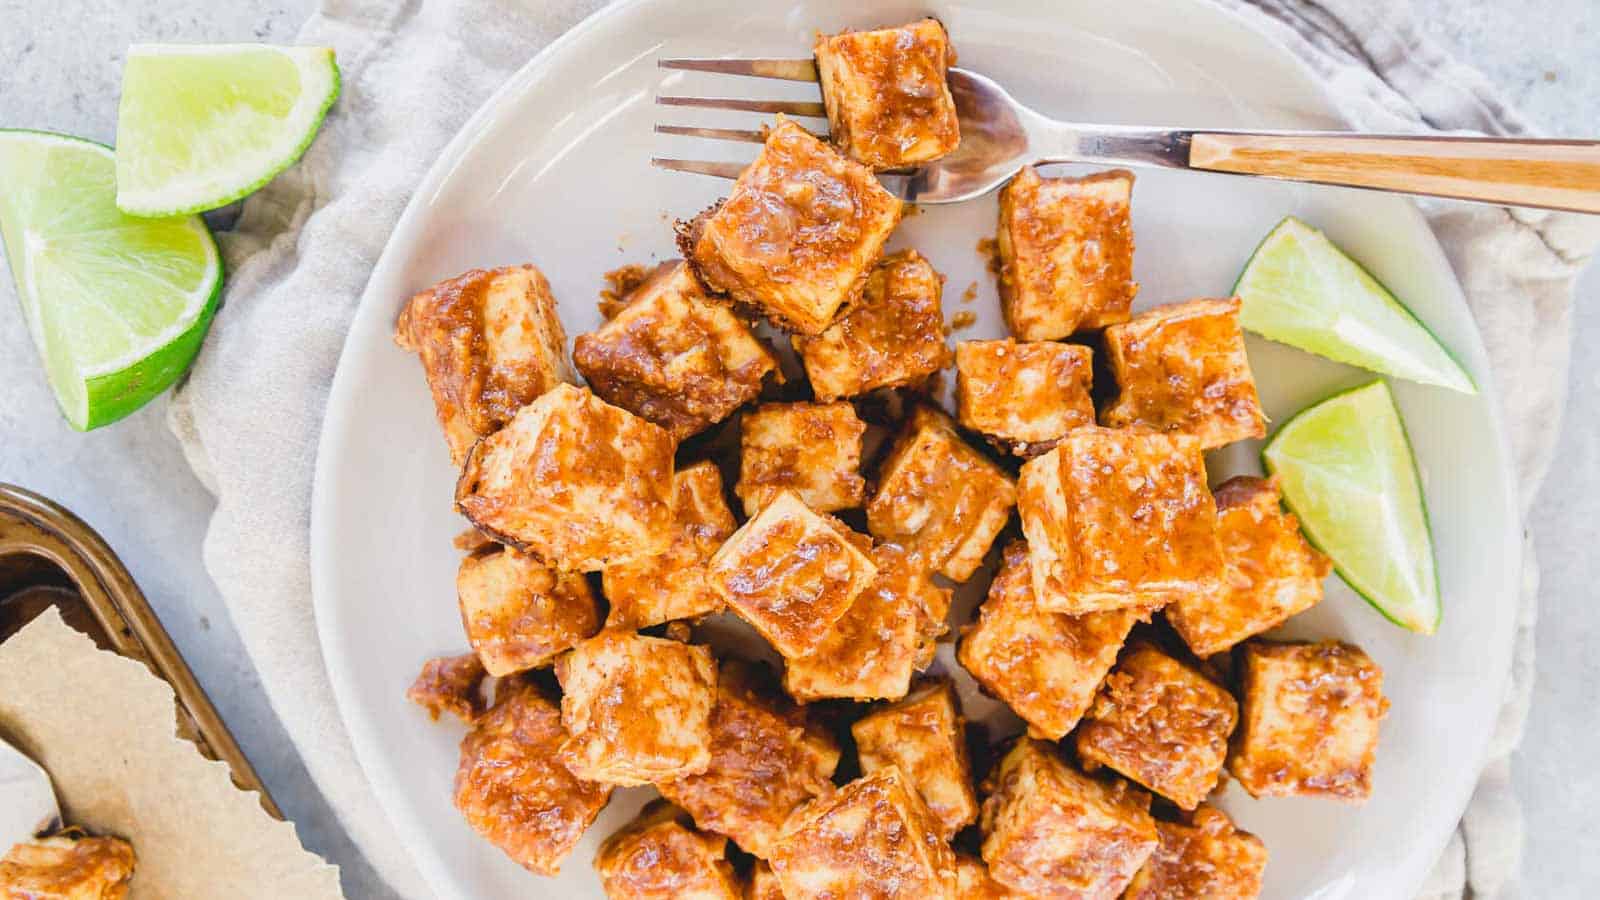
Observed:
{"x":574,"y":481}
{"x":798,"y":234}
{"x":673,"y":586}
{"x":660,"y":856}
{"x":885,"y":93}
{"x":767,"y":759}
{"x":1309,"y":723}
{"x":973,"y":881}
{"x":1066,"y":253}
{"x":894,"y":336}
{"x":1182,"y":369}
{"x":888,"y":634}
{"x":513,"y":790}
{"x":872,"y":838}
{"x":1269,"y":571}
{"x":490,"y":343}
{"x":67,"y":868}
{"x":518,"y":612}
{"x":1118,"y":518}
{"x":1044,"y":665}
{"x":763,"y":883}
{"x":673,"y":356}
{"x":940,"y":499}
{"x":1023,"y":397}
{"x":1161,"y":724}
{"x":925,"y":737}
{"x":450,"y":684}
{"x":638,"y":708}
{"x":1050,"y":831}
{"x":1206,"y":859}
{"x":812,"y":449}
{"x":792,"y":573}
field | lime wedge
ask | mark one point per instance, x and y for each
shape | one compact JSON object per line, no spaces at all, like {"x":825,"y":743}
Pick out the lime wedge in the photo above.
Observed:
{"x":1347,"y":472}
{"x":202,"y":126}
{"x":117,"y":305}
{"x":1301,"y":290}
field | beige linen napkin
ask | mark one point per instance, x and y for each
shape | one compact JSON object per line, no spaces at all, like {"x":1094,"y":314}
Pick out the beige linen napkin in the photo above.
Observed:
{"x":301,"y":254}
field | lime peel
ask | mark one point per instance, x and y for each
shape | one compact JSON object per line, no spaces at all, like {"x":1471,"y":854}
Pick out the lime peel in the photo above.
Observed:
{"x":117,"y":305}
{"x":1300,"y":289}
{"x":201,"y":126}
{"x":1348,"y":473}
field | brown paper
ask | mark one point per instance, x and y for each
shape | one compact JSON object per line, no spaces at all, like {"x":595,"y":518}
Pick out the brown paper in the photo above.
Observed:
{"x":103,"y":727}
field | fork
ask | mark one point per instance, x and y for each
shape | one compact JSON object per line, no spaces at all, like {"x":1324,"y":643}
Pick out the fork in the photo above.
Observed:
{"x":999,"y":136}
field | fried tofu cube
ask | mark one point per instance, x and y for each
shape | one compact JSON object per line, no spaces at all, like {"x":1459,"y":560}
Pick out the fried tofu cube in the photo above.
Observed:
{"x":673,"y":586}
{"x":450,"y":684}
{"x":574,"y":481}
{"x":1310,"y":720}
{"x":939,"y":498}
{"x":1066,"y":253}
{"x":638,"y":708}
{"x":1182,"y":368}
{"x":1050,"y":831}
{"x":763,"y":883}
{"x":67,"y":868}
{"x":812,"y":449}
{"x":925,"y":737}
{"x":1207,"y":859}
{"x":973,"y":881}
{"x":673,"y":356}
{"x":1023,"y":397}
{"x":792,"y":574}
{"x":798,"y":234}
{"x":514,"y":791}
{"x":660,"y":856}
{"x":885,"y":93}
{"x":490,"y":343}
{"x":1162,"y":724}
{"x":872,"y":838}
{"x":888,"y":633}
{"x":1118,"y":518}
{"x":1044,"y":665}
{"x":768,"y":757}
{"x":894,"y":336}
{"x":1269,"y":571}
{"x":519,"y":613}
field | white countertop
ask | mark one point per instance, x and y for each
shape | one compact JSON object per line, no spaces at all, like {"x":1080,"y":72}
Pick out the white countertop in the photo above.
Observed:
{"x":60,"y":64}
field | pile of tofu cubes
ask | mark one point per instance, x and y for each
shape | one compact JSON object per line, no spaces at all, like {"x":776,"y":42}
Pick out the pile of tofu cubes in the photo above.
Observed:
{"x":1121,"y":626}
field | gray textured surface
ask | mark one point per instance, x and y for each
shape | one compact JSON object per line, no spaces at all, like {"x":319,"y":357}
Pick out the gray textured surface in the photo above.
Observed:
{"x":59,"y":67}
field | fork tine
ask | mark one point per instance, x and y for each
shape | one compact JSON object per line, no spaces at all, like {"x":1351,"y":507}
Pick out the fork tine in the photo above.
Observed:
{"x":786,"y":69}
{"x":790,"y":107}
{"x":745,"y":135}
{"x":748,"y":136}
{"x":700,"y":167}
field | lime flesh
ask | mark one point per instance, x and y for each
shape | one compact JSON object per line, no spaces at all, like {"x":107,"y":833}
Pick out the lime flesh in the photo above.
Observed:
{"x":117,"y":305}
{"x":201,"y":126}
{"x":1347,"y":472}
{"x":1300,"y":289}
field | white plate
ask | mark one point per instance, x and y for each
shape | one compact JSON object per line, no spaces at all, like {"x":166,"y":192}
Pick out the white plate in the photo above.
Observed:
{"x":554,"y":170}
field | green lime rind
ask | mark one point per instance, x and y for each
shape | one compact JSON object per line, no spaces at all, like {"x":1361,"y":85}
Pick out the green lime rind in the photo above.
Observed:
{"x":1348,"y":473}
{"x":118,"y":306}
{"x":1298,"y":288}
{"x":179,"y":154}
{"x":116,"y":395}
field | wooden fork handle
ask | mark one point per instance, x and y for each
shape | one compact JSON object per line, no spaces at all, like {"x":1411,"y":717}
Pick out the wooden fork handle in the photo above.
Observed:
{"x":1553,"y":174}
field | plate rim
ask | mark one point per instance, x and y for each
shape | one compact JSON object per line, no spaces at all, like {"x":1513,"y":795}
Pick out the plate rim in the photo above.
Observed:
{"x":327,"y":615}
